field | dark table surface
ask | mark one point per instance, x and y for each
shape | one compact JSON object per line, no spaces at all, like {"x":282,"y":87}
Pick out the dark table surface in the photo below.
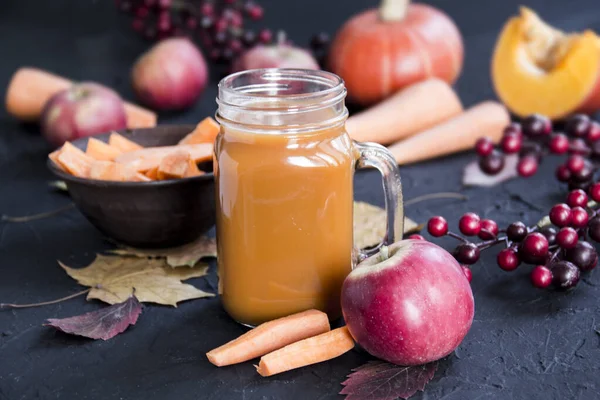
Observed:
{"x":524,"y":343}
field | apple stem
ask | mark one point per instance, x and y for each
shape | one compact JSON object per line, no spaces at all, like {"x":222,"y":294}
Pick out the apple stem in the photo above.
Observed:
{"x":384,"y":253}
{"x":393,"y":10}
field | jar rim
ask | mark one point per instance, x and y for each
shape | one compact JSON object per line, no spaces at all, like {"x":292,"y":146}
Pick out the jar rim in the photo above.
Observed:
{"x":269,"y":89}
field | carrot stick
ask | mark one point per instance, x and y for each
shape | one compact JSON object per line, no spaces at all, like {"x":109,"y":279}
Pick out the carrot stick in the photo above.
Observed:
{"x":30,"y":88}
{"x":411,"y":110}
{"x":459,"y":133}
{"x":270,"y":336}
{"x":306,"y":352}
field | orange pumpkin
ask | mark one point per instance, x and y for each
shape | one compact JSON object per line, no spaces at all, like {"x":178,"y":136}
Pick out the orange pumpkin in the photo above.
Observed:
{"x":380,"y":51}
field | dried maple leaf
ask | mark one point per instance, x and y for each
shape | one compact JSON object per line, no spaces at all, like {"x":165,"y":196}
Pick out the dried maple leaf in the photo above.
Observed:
{"x":104,"y":323}
{"x":379,"y":380}
{"x":113,"y":279}
{"x":370,"y":223}
{"x":186,"y":255}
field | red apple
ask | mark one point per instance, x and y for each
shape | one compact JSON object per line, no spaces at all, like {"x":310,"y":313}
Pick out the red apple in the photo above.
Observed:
{"x":409,"y":307}
{"x":171,"y":75}
{"x":275,"y":56}
{"x":84,"y":109}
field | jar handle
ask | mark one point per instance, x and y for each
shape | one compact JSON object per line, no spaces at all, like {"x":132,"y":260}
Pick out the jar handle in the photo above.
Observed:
{"x":379,"y":157}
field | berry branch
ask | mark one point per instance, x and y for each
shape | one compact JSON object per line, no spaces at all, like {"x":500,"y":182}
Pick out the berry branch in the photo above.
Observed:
{"x":557,"y":246}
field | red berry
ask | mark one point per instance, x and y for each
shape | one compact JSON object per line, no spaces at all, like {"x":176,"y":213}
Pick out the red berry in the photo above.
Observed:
{"x":191,"y":23}
{"x":579,"y":217}
{"x":516,"y":231}
{"x":467,"y":271}
{"x":207,"y":9}
{"x":567,"y":238}
{"x":142,"y":12}
{"x":489,"y":229}
{"x":577,"y":198}
{"x":541,"y":277}
{"x":513,"y":128}
{"x":437,"y":226}
{"x":484,"y":146}
{"x":164,"y":4}
{"x":469,"y":224}
{"x":595,"y":192}
{"x":578,"y":125}
{"x":235,"y":45}
{"x":492,"y":163}
{"x":466,"y":253}
{"x":575,"y":163}
{"x":594,"y":133}
{"x":508,"y":259}
{"x":560,"y":215}
{"x":578,"y":146}
{"x":416,"y":237}
{"x":559,"y":144}
{"x":511,"y":143}
{"x":527,"y":166}
{"x":562,"y":173}
{"x":537,"y":125}
{"x":254,"y":11}
{"x":221,"y":25}
{"x":265,"y":36}
{"x":534,"y":248}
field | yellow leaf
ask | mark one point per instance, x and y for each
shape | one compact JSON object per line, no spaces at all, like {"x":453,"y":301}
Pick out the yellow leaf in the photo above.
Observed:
{"x":113,"y":279}
{"x":370,"y":223}
{"x":186,"y":255}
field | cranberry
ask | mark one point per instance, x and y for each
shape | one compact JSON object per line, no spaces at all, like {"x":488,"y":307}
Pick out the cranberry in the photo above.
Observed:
{"x":489,"y":229}
{"x":492,"y":163}
{"x":560,"y":215}
{"x":437,"y":226}
{"x":579,"y":217}
{"x":575,"y":163}
{"x":594,"y":132}
{"x":466,"y":253}
{"x":541,"y":277}
{"x":559,"y":144}
{"x":577,"y":198}
{"x":563,"y":174}
{"x":578,"y":146}
{"x":508,"y":259}
{"x":484,"y":146}
{"x":583,"y":255}
{"x":594,"y":229}
{"x":511,"y":143}
{"x":567,"y":238}
{"x":550,"y":233}
{"x":534,"y":248}
{"x":594,"y":192}
{"x":565,"y":275}
{"x":527,"y":166}
{"x":513,"y":128}
{"x":578,"y":125}
{"x":516,"y":231}
{"x":537,"y":125}
{"x":469,"y":224}
{"x":265,"y":36}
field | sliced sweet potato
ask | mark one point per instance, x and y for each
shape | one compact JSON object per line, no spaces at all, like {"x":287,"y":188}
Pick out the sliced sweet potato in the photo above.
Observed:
{"x":206,"y":132}
{"x":152,"y":174}
{"x":99,"y":150}
{"x":75,"y":161}
{"x":122,"y":143}
{"x":112,"y":171}
{"x":174,"y":165}
{"x":192,"y":169}
{"x":145,"y":159}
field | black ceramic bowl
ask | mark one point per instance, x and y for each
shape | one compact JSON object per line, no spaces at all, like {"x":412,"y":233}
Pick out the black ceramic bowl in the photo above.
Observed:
{"x":146,"y":214}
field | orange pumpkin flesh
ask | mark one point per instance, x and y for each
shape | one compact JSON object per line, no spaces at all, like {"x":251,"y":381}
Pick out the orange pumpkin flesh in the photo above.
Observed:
{"x":538,"y":69}
{"x":377,"y":57}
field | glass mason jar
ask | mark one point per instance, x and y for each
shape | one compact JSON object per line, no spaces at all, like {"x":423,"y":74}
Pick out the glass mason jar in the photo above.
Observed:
{"x":284,"y":167}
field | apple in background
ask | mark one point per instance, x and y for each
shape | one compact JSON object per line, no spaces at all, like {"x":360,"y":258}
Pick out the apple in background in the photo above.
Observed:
{"x":84,"y":109}
{"x":409,"y":307}
{"x":171,"y":75}
{"x":278,"y":55}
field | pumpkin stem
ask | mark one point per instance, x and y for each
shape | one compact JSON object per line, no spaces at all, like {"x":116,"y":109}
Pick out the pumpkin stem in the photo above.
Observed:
{"x":393,"y":10}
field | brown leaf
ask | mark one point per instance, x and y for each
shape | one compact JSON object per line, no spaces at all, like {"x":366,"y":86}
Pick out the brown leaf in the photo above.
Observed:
{"x":104,"y":323}
{"x":370,"y":223}
{"x":379,"y":380}
{"x":474,"y":176}
{"x":186,"y":255}
{"x":113,"y":279}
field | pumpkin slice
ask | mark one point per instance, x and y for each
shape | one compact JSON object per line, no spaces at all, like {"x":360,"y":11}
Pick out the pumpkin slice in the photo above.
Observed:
{"x":206,"y":132}
{"x":148,"y":158}
{"x":122,"y":143}
{"x":174,"y":165}
{"x":75,"y":161}
{"x":99,"y":150}
{"x":539,"y":69}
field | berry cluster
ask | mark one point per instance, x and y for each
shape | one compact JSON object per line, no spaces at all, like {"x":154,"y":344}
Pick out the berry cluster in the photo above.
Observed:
{"x":534,"y":138}
{"x":558,"y":246}
{"x":219,"y":26}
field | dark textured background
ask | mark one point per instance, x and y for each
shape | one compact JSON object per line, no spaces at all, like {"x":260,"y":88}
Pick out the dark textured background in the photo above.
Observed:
{"x":524,"y":343}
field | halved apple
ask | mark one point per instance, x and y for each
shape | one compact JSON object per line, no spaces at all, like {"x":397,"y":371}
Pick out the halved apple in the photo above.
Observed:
{"x":539,"y":69}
